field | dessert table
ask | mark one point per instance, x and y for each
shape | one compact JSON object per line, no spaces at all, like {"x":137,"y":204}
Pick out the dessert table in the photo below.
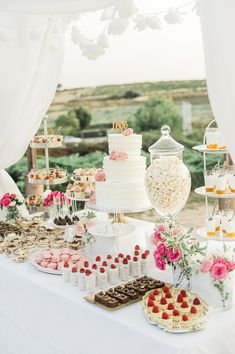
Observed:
{"x":41,"y":314}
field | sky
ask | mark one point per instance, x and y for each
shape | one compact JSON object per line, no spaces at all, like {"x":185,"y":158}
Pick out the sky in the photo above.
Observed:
{"x":172,"y":53}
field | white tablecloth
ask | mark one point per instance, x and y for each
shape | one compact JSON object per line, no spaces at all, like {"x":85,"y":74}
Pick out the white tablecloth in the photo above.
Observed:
{"x":39,"y":314}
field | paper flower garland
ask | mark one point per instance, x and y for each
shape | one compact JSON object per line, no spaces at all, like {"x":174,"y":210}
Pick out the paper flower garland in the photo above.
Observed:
{"x":116,"y":19}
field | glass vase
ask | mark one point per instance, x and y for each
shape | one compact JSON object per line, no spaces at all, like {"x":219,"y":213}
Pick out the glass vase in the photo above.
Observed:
{"x":12,"y":213}
{"x":181,"y":278}
{"x":222,"y":293}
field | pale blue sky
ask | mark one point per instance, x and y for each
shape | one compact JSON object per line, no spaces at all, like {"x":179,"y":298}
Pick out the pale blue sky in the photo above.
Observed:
{"x":173,"y":53}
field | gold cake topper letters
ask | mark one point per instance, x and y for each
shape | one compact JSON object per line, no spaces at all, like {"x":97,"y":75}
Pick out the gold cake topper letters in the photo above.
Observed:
{"x":120,"y":125}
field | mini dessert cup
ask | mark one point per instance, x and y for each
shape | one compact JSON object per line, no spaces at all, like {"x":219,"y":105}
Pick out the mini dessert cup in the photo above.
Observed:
{"x":216,"y":218}
{"x":212,"y":138}
{"x":221,"y":184}
{"x":231,"y":183}
{"x":210,"y":179}
{"x":230,"y":228}
{"x":210,"y":227}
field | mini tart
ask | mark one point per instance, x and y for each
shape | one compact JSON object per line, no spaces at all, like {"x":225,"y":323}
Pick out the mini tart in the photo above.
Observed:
{"x":149,"y":305}
{"x":165,"y":319}
{"x":176,"y":316}
{"x":170,"y":308}
{"x":155,"y":314}
{"x":197,"y":303}
{"x":162,"y":303}
{"x":184,"y":308}
{"x":184,"y":294}
{"x":169,"y":297}
{"x":194,"y":313}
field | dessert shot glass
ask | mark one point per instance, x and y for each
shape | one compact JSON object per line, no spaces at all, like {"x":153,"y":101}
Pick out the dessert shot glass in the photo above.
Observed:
{"x":212,"y":138}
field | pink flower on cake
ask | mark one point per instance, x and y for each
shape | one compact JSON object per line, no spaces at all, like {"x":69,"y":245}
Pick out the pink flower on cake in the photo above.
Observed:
{"x":206,"y":266}
{"x":173,"y":255}
{"x":100,"y":176}
{"x":219,"y":271}
{"x":118,"y":155}
{"x":160,"y":263}
{"x":161,"y":249}
{"x":127,"y":132}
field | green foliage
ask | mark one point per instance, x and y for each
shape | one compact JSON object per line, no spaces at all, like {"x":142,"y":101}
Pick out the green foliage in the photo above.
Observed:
{"x":131,"y":94}
{"x":156,"y":112}
{"x":67,"y":124}
{"x":84,"y":117}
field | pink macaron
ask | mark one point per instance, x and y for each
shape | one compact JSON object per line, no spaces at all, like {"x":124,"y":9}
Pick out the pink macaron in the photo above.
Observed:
{"x":44,"y":264}
{"x":65,"y":257}
{"x":38,"y":259}
{"x":55,"y":259}
{"x":52,"y":265}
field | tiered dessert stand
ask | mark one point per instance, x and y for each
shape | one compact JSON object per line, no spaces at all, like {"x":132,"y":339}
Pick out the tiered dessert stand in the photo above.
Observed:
{"x":46,"y":146}
{"x":202,"y":190}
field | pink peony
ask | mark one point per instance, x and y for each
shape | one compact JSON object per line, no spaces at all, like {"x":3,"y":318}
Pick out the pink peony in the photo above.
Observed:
{"x":80,"y":229}
{"x":160,"y":263}
{"x":118,"y":155}
{"x":161,"y":249}
{"x":100,"y":176}
{"x":222,"y":261}
{"x":219,"y":271}
{"x":173,"y":255}
{"x":6,"y":201}
{"x":206,"y":266}
{"x":127,"y":132}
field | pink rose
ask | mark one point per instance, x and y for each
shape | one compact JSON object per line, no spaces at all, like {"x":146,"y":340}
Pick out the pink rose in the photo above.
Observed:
{"x":206,"y":266}
{"x":161,"y":249}
{"x":219,"y":271}
{"x":80,"y":229}
{"x":173,"y":255}
{"x":13,"y":196}
{"x":118,"y":155}
{"x":100,"y":176}
{"x":127,"y":132}
{"x":178,"y":231}
{"x":6,"y":195}
{"x":162,"y":228}
{"x":221,"y":261}
{"x":6,"y":201}
{"x":160,"y":263}
{"x":54,"y":194}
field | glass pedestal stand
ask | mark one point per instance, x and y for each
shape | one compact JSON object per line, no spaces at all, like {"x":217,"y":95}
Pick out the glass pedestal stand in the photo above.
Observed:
{"x":112,"y":235}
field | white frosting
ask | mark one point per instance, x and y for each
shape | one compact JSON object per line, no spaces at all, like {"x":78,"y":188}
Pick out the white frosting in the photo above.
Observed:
{"x":129,"y":195}
{"x":125,"y":171}
{"x":129,"y":144}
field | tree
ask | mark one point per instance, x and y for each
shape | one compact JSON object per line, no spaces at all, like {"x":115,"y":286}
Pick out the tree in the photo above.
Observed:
{"x":67,"y":124}
{"x":156,"y":112}
{"x":84,"y":117}
{"x":131,"y":94}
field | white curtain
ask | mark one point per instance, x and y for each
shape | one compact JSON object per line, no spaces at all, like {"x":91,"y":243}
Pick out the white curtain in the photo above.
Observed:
{"x":218,"y":32}
{"x":29,"y":72}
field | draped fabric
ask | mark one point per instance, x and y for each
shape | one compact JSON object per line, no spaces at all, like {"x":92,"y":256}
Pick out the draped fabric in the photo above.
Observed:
{"x":218,"y":32}
{"x":29,"y":72}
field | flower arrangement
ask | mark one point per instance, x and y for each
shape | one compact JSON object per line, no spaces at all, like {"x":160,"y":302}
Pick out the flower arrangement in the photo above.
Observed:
{"x":219,"y":268}
{"x":81,"y":228}
{"x":52,"y":197}
{"x":11,"y":202}
{"x":175,"y":246}
{"x":118,"y":156}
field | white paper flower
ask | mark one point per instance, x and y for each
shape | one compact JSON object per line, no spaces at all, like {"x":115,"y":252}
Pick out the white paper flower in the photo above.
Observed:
{"x":93,"y":51}
{"x":34,"y":35}
{"x":118,"y":26}
{"x":154,"y":22}
{"x":126,"y":8}
{"x":173,"y":16}
{"x":5,"y":35}
{"x":107,"y":14}
{"x":103,"y":41}
{"x":75,"y":34}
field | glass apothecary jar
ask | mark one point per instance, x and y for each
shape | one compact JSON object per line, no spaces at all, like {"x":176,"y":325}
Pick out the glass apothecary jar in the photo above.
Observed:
{"x":168,"y":181}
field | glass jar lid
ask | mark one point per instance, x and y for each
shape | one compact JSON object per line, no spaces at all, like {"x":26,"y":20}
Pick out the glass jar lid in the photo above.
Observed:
{"x":165,"y":144}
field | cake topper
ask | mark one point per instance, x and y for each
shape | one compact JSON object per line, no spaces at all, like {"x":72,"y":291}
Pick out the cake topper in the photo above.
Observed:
{"x":120,"y":125}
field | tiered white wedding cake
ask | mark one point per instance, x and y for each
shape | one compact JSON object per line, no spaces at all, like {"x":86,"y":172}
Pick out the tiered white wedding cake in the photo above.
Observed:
{"x":124,"y":171}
